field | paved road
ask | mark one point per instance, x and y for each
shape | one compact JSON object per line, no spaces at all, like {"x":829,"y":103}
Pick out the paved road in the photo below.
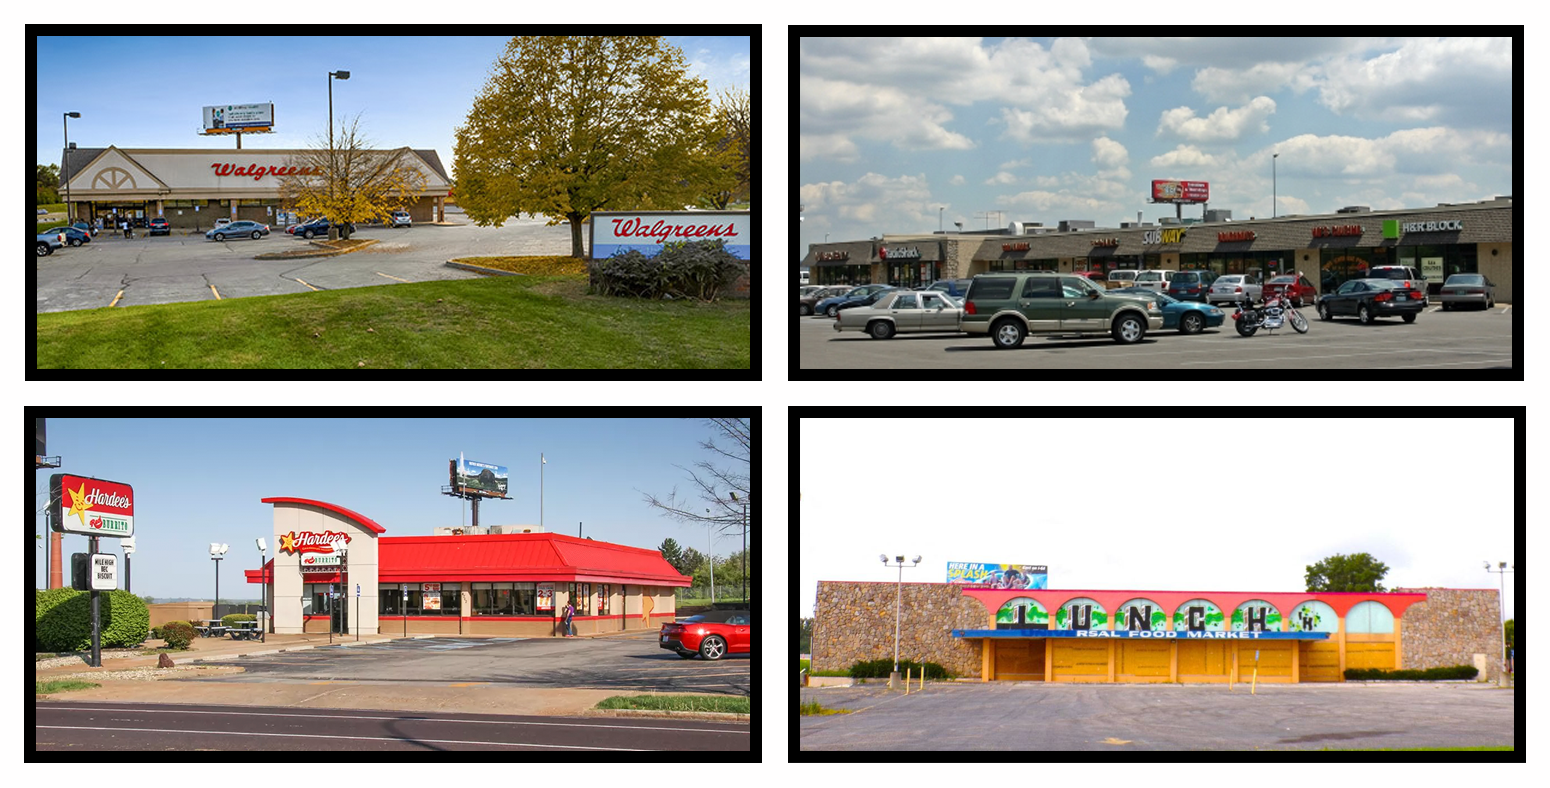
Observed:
{"x":1436,"y":341}
{"x":630,"y":663}
{"x":167,"y":269}
{"x":1045,"y":717}
{"x":135,"y":726}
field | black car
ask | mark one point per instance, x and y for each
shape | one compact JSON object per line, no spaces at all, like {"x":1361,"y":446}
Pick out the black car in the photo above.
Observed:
{"x":1367,"y":299}
{"x":315,"y":228}
{"x":159,"y":226}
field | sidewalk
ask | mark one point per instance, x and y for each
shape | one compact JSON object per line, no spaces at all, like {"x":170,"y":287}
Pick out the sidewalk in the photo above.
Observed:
{"x":215,"y":649}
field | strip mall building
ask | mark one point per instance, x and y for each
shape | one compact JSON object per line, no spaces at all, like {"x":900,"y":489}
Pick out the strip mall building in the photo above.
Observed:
{"x":1154,"y":636}
{"x":1328,"y":249}
{"x":193,"y":188}
{"x":496,"y":584}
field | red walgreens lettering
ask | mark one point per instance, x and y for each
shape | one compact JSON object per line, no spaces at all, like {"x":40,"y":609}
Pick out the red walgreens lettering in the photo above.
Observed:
{"x":257,"y":171}
{"x":661,"y":231}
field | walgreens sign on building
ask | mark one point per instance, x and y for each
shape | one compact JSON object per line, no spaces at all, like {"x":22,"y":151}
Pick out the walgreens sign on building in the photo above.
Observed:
{"x":647,"y":232}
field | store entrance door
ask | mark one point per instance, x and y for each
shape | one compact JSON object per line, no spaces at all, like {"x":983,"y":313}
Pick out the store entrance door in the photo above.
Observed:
{"x":1019,"y":660}
{"x":340,"y":618}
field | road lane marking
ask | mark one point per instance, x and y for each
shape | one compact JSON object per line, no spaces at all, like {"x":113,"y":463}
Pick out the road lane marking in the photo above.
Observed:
{"x":401,"y":719}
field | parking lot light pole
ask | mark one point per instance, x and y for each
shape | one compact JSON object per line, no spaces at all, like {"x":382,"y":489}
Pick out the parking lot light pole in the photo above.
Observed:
{"x":217,"y":551}
{"x":333,"y":230}
{"x":68,"y":116}
{"x":1501,"y":623}
{"x":263,"y":605}
{"x":898,"y":597}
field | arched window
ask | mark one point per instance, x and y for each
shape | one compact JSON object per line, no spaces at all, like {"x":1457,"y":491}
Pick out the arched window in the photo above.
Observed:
{"x":1369,"y":618}
{"x":1314,"y":617}
{"x":1022,"y":613}
{"x":1256,"y":615}
{"x":1198,"y":615}
{"x":1141,"y":614}
{"x":1081,"y":613}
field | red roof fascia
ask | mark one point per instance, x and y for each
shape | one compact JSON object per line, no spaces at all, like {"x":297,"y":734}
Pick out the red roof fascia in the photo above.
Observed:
{"x":363,"y":520}
{"x":524,"y":557}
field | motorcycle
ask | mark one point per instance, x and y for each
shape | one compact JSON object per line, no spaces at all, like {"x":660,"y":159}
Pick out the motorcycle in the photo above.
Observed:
{"x":1273,"y":315}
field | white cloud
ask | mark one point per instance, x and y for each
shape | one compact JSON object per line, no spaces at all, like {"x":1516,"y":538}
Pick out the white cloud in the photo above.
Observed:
{"x":1222,"y":125}
{"x":833,"y":112}
{"x":885,"y":204}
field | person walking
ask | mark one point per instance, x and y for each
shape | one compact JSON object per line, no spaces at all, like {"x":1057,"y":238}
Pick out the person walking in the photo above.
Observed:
{"x":570,"y":626}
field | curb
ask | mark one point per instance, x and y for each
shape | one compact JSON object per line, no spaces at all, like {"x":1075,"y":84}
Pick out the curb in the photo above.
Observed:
{"x":479,"y":269}
{"x":683,"y":715}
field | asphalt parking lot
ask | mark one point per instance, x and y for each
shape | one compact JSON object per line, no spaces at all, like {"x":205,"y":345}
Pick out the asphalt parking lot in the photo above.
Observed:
{"x":171,"y":268}
{"x":1041,"y":717}
{"x":1437,"y":340}
{"x":631,"y":662}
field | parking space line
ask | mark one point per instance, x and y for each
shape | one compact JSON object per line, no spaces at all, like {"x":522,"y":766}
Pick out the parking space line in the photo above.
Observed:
{"x":309,"y":287}
{"x":379,"y":273}
{"x":116,"y":298}
{"x":217,"y":293}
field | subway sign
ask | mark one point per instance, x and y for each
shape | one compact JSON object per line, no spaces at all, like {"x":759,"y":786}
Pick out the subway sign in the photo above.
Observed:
{"x":91,"y":507}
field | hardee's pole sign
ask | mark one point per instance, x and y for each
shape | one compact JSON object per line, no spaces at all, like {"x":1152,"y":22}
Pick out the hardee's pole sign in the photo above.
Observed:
{"x":92,"y":507}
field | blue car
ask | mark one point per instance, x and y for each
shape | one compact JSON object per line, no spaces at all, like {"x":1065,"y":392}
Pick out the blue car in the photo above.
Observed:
{"x":831,"y":306}
{"x":1186,"y":316}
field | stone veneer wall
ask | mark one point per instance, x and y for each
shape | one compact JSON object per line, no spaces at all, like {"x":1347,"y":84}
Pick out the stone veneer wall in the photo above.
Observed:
{"x":854,"y":622}
{"x":1451,"y":627}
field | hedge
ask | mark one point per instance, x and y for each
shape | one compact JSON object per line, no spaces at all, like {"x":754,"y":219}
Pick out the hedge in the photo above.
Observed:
{"x":681,"y":269}
{"x":63,"y":618}
{"x":1467,"y":672}
{"x":880,"y":668}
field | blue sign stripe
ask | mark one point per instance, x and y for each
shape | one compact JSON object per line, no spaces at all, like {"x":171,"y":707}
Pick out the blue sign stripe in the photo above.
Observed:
{"x":600,"y":251}
{"x":1138,"y":635}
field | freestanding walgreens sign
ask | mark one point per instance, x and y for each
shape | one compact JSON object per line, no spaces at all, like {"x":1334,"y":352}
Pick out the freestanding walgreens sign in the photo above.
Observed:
{"x":92,"y":507}
{"x":614,"y":232}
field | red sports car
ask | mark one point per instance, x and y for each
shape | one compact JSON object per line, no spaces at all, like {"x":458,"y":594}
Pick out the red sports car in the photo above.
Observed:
{"x":712,"y":634}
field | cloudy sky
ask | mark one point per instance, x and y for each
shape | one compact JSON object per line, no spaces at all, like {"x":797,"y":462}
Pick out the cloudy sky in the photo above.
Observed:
{"x":1110,"y":506}
{"x":892,"y":129}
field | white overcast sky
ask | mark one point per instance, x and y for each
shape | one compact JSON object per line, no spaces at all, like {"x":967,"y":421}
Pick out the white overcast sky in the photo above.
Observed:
{"x":1111,"y":506}
{"x":1044,"y":129}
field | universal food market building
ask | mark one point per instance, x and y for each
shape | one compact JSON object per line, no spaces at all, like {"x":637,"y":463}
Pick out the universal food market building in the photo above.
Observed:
{"x":193,"y":188}
{"x":505,"y":584}
{"x":1328,"y":249}
{"x":1154,"y":636}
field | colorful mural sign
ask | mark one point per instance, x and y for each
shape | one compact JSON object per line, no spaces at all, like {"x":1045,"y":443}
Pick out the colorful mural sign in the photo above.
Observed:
{"x":1314,"y":617}
{"x":999,"y":575}
{"x":1080,"y":614}
{"x":1198,"y":615}
{"x":1022,"y":613}
{"x":1256,"y":616}
{"x":1141,"y":615}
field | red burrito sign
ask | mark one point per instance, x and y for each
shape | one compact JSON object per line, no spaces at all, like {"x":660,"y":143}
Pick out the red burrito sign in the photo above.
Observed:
{"x":94,"y":507}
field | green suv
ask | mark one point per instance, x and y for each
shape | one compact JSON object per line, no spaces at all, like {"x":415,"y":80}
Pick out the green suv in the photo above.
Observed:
{"x":1010,"y":306}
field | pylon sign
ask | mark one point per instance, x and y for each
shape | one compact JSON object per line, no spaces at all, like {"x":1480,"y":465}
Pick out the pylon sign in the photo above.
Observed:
{"x":91,"y":507}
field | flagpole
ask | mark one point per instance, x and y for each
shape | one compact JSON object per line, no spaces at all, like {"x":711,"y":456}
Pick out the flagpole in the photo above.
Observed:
{"x":541,"y":463}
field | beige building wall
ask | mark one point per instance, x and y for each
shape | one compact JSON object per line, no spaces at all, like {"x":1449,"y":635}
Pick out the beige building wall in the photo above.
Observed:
{"x":362,"y":554}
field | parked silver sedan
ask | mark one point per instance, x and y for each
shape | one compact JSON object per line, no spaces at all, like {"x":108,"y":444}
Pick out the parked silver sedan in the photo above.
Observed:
{"x":906,"y":310}
{"x":1233,"y":288}
{"x":1468,"y":289}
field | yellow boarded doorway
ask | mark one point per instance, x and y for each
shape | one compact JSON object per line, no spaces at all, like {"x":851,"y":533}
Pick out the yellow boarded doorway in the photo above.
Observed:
{"x":1143,"y":660}
{"x":1019,"y":660}
{"x":1275,"y":659}
{"x":1204,"y":660}
{"x":1319,"y":660}
{"x":1081,"y":659}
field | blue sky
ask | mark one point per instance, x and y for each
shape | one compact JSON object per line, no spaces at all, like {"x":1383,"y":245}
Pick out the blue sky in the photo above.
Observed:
{"x":199,"y":481}
{"x":1041,"y":130}
{"x":148,"y":92}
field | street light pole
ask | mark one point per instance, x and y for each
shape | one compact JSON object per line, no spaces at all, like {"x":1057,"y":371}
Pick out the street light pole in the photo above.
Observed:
{"x":897,"y":604}
{"x":69,"y":215}
{"x":1503,"y":570}
{"x":744,"y":502}
{"x":263,"y":605}
{"x":1273,"y":158}
{"x":217,"y":551}
{"x":333,"y":221}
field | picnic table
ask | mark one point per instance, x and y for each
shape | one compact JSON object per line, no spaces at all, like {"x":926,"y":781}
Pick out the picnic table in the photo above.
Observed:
{"x":210,"y":627}
{"x":244,"y":630}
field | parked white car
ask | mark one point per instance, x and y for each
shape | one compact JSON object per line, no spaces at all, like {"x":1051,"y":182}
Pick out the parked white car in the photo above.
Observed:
{"x":1232,"y":288}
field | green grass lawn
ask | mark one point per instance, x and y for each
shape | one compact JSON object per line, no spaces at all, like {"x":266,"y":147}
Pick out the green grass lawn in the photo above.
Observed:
{"x":518,"y":322}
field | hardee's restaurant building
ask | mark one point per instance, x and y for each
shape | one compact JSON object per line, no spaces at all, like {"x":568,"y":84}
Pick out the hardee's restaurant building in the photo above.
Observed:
{"x":494,"y":584}
{"x":193,"y":188}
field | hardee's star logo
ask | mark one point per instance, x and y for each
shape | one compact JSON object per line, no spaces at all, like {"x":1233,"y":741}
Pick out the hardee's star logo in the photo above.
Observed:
{"x":78,"y":503}
{"x":288,"y":542}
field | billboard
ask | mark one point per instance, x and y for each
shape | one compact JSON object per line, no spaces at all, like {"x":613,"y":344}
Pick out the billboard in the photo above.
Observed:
{"x":478,"y":478}
{"x":1181,"y":191}
{"x":229,"y":118}
{"x":621,"y":231}
{"x":999,"y":575}
{"x":90,"y":507}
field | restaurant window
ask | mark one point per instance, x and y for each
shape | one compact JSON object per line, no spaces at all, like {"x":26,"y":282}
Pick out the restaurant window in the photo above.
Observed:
{"x":317,"y":595}
{"x":391,"y":601}
{"x":483,"y":599}
{"x":581,"y":597}
{"x":603,"y":592}
{"x":522,"y":595}
{"x":435,"y":603}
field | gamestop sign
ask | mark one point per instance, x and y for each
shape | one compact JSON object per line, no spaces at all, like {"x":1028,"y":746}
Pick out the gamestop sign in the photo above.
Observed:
{"x":93,"y":507}
{"x":647,"y":232}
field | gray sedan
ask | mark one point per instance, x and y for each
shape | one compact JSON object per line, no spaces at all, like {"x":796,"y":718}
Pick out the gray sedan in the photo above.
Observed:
{"x":1468,"y":289}
{"x":905,"y":310}
{"x":242,"y":229}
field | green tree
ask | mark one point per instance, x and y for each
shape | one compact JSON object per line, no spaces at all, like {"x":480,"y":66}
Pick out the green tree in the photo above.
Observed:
{"x":568,"y":125}
{"x":1356,"y":572}
{"x":673,"y":553}
{"x":805,"y":646}
{"x":352,"y":182}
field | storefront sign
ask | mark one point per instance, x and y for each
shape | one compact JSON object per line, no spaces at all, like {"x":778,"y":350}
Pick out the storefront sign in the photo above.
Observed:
{"x":1432,"y":227}
{"x":320,"y":563}
{"x":1240,"y":235}
{"x":1163,"y":236}
{"x":824,"y":257}
{"x":1020,"y":246}
{"x":1338,"y":230}
{"x":93,"y":507}
{"x":907,"y":253}
{"x":1137,"y":634}
{"x":309,"y":542}
{"x":1107,"y":242}
{"x":647,"y":232}
{"x":256,"y":171}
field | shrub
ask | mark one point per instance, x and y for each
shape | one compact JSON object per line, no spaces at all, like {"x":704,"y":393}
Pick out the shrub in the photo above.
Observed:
{"x":63,"y":619}
{"x":880,"y":668}
{"x":228,"y":620}
{"x":177,"y":634}
{"x":1466,"y":672}
{"x":690,"y":269}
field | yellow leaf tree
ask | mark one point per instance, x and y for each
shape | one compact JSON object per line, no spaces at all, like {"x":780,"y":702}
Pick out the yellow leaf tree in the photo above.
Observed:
{"x":568,"y":125}
{"x":352,"y":182}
